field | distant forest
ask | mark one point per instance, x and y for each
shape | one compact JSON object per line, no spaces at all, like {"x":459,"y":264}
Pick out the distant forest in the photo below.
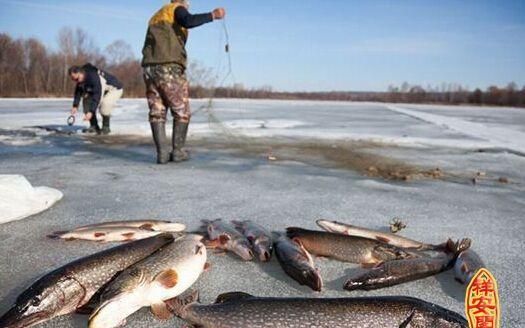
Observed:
{"x":30,"y":69}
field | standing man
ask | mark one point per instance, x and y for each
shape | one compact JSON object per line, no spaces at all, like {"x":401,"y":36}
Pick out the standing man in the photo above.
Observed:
{"x":164,"y":62}
{"x":97,"y":89}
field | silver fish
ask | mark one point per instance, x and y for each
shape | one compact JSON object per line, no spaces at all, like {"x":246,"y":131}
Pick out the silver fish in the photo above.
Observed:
{"x":259,"y":238}
{"x":105,"y":234}
{"x":155,"y":225}
{"x":70,"y":287}
{"x":223,"y":235}
{"x":385,"y":237}
{"x":164,"y":275}
{"x":234,"y":310}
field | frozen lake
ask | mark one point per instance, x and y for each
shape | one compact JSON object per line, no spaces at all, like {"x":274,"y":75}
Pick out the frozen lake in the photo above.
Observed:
{"x":363,"y":163}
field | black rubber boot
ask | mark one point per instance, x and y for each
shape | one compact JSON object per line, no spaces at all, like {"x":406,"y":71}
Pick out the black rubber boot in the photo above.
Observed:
{"x":158,"y":130}
{"x":93,"y":128}
{"x":105,"y":124}
{"x":180,"y":130}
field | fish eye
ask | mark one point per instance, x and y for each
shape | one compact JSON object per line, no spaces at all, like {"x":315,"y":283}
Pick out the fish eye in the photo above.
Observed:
{"x":35,"y":301}
{"x":305,"y":273}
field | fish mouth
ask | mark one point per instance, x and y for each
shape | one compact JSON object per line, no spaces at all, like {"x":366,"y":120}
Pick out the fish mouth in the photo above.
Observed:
{"x":16,"y":319}
{"x":310,"y":278}
{"x":353,"y":285}
{"x":263,"y":253}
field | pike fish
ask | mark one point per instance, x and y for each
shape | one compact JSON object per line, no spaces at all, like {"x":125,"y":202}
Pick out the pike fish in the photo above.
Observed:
{"x":396,"y":272}
{"x":352,"y":249}
{"x":223,"y":235}
{"x":259,"y":238}
{"x":105,"y":234}
{"x":164,"y":275}
{"x":155,"y":225}
{"x":388,"y":238}
{"x":466,"y":266}
{"x":297,"y":262}
{"x":233,"y":310}
{"x":70,"y":287}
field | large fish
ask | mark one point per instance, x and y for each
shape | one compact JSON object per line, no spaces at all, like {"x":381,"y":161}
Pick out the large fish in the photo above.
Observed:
{"x":223,"y":235}
{"x":396,"y":272}
{"x":466,"y":266}
{"x":105,"y":234}
{"x":348,"y":248}
{"x":388,"y":238}
{"x":259,"y":238}
{"x":70,"y":287}
{"x":164,"y":275}
{"x":235,"y":310}
{"x":156,"y":225}
{"x":297,"y":262}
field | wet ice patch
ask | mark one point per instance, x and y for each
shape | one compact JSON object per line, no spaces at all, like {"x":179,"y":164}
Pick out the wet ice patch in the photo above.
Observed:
{"x":19,"y":199}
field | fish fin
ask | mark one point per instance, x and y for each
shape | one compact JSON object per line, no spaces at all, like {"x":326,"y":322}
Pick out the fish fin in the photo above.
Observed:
{"x":168,"y":278}
{"x":70,"y":239}
{"x":383,"y":239}
{"x":233,"y":296}
{"x":99,"y":234}
{"x":57,"y":234}
{"x":128,"y":235}
{"x":177,"y":304}
{"x":207,"y":266}
{"x":147,"y":226}
{"x":405,"y":323}
{"x":292,"y":232}
{"x":371,"y":265}
{"x":459,"y":280}
{"x":85,"y":310}
{"x":212,"y":243}
{"x":223,"y":239}
{"x":161,"y":311}
{"x":464,"y":267}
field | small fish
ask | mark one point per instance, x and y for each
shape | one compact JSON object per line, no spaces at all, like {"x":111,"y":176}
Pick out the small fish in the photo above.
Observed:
{"x":388,"y":238}
{"x":155,"y":225}
{"x":297,"y":262}
{"x":223,"y":235}
{"x":466,"y":266}
{"x":164,"y":275}
{"x":233,"y":310}
{"x":396,"y":272}
{"x":259,"y":238}
{"x":105,"y":234}
{"x":345,"y":248}
{"x":70,"y":287}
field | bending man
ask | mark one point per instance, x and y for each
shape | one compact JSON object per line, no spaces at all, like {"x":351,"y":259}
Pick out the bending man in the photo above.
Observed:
{"x":97,"y":89}
{"x":164,"y":62}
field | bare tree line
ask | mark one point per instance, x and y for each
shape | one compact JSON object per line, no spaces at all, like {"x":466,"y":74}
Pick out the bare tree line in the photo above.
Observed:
{"x":30,"y":69}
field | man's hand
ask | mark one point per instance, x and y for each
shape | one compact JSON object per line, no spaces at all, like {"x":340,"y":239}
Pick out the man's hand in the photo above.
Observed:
{"x":88,"y":116}
{"x":218,"y":13}
{"x":74,"y":111}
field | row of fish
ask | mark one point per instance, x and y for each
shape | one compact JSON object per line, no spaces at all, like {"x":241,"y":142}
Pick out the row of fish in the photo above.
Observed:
{"x":392,"y":259}
{"x":154,"y":271}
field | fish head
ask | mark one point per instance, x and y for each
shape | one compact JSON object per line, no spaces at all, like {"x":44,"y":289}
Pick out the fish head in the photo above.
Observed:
{"x":242,"y":247}
{"x":42,"y":301}
{"x":306,"y":275}
{"x":263,"y":248}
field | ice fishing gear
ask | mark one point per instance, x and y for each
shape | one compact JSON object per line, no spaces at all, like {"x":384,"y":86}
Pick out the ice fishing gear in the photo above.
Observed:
{"x":71,"y":120}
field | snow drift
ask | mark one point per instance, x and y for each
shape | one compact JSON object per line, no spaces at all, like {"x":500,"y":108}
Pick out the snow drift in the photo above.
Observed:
{"x":19,"y":199}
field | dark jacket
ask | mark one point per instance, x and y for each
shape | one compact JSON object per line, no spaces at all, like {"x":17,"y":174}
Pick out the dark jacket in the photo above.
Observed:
{"x":92,"y":86}
{"x":167,"y":35}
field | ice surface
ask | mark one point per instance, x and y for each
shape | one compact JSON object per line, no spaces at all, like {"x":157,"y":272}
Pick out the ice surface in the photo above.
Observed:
{"x":18,"y":199}
{"x":116,"y":182}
